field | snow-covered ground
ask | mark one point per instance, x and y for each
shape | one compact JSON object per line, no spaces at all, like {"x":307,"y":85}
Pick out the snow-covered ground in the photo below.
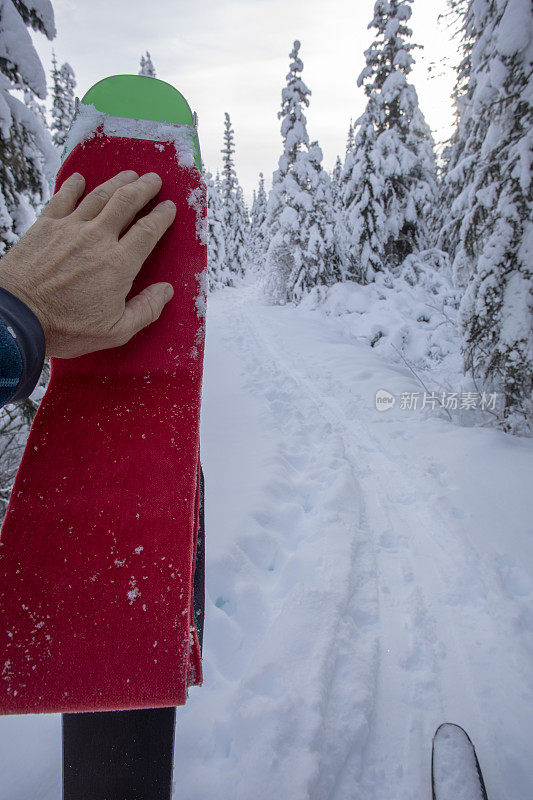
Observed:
{"x":369,"y":576}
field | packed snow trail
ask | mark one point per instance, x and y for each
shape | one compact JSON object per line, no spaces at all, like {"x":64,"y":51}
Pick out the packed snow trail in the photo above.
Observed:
{"x":368,"y":577}
{"x":375,"y":583}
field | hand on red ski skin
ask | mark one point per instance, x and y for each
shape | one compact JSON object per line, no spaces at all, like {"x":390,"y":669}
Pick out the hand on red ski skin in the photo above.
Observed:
{"x":74,"y":272}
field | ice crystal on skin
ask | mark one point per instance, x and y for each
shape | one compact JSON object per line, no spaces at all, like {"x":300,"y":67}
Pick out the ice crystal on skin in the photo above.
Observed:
{"x":201,"y":298}
{"x":134,"y":592}
{"x":197,"y":201}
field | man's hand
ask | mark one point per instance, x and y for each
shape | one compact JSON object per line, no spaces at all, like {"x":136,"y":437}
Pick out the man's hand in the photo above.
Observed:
{"x":74,"y":272}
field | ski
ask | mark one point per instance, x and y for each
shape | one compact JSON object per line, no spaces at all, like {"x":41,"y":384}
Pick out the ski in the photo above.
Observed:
{"x":98,"y":546}
{"x":455,"y":770}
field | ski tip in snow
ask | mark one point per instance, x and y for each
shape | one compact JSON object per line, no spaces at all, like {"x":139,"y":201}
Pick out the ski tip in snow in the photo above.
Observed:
{"x":455,"y":770}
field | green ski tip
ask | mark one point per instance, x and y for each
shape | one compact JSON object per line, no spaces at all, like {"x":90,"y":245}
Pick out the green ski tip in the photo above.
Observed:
{"x":141,"y":97}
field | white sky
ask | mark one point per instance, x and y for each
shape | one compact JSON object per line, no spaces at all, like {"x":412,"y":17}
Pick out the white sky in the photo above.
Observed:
{"x":234,"y":56}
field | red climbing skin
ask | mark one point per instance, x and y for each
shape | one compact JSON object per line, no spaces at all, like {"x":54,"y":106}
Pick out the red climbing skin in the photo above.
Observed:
{"x":97,"y":547}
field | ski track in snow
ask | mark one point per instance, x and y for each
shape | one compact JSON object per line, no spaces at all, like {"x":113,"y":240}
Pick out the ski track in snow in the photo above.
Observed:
{"x":357,"y":649}
{"x":343,"y":610}
{"x":350,"y":607}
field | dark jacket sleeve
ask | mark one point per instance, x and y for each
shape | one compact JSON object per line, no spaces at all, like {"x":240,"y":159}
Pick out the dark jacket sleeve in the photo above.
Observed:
{"x":22,"y":349}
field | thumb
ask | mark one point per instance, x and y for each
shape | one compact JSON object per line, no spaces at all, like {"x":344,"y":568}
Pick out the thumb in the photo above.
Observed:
{"x":142,"y":310}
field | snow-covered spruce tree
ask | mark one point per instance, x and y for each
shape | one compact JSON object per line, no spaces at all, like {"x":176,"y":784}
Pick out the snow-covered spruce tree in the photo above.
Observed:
{"x":63,"y":84}
{"x":258,"y":216}
{"x":391,"y":174}
{"x":459,"y":156}
{"x":303,"y":253}
{"x":361,"y":227}
{"x":31,"y":102}
{"x":28,"y":164}
{"x":28,"y":158}
{"x":233,"y":212}
{"x":251,"y":266}
{"x":286,"y":205}
{"x":147,"y":68}
{"x":495,"y":251}
{"x":339,"y":179}
{"x":215,"y":235}
{"x":350,"y":138}
{"x":320,"y":263}
{"x":274,"y":208}
{"x":241,"y":233}
{"x":336,"y":173}
{"x":294,"y":134}
{"x":252,"y":234}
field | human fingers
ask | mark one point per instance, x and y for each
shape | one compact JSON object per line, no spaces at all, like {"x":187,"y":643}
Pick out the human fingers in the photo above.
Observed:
{"x":140,"y":311}
{"x":127,"y":202}
{"x":64,"y":200}
{"x":140,"y":240}
{"x":96,"y":200}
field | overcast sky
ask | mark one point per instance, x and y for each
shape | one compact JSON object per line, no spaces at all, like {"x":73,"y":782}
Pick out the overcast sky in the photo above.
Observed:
{"x":234,"y":56}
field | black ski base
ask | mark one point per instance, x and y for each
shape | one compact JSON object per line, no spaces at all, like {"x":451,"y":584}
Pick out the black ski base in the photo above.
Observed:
{"x":118,"y":755}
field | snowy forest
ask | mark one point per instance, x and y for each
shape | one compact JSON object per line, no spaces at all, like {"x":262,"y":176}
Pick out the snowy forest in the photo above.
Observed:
{"x":425,"y":257}
{"x":455,"y":235}
{"x":366,"y":425}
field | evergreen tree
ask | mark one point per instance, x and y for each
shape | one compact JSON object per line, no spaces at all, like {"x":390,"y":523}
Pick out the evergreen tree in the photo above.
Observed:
{"x":215,"y":235}
{"x":252,"y":264}
{"x":28,"y":164}
{"x":294,"y":134}
{"x":336,"y":183}
{"x":39,"y":109}
{"x":63,"y":84}
{"x":147,"y":68}
{"x":15,"y":423}
{"x":303,"y":251}
{"x":319,"y":263}
{"x":285,"y":204}
{"x":350,"y":139}
{"x":390,"y":173}
{"x":459,"y":155}
{"x":493,"y":256}
{"x":241,"y":232}
{"x":339,"y":192}
{"x":257,"y":227}
{"x":28,"y":158}
{"x":361,"y":225}
{"x":234,"y":213}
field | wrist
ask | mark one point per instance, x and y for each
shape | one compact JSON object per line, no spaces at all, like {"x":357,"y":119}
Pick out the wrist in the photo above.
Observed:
{"x":26,"y":330}
{"x":14,"y":289}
